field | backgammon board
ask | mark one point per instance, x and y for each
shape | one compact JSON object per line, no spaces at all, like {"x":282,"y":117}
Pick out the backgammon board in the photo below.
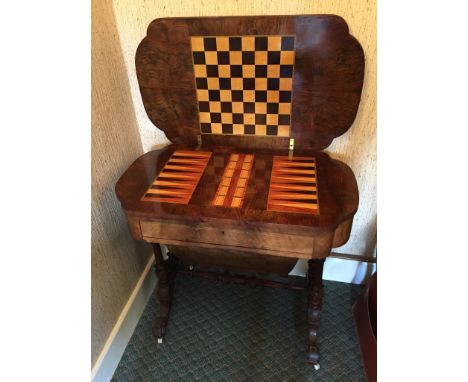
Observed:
{"x":249,"y":103}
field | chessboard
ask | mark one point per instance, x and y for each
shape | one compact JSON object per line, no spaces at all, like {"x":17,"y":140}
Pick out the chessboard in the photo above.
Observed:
{"x":244,"y":84}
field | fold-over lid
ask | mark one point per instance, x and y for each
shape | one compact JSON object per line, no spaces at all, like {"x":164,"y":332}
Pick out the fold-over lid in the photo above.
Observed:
{"x":251,"y":81}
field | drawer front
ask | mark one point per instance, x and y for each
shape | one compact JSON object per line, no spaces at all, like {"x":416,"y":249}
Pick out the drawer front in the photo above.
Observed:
{"x":170,"y":233}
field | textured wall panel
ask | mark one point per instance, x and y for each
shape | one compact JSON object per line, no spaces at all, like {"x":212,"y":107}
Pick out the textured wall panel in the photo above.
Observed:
{"x":357,"y":147}
{"x":117,"y":260}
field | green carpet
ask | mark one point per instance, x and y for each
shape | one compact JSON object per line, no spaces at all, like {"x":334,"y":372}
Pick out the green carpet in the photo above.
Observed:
{"x":230,"y":332}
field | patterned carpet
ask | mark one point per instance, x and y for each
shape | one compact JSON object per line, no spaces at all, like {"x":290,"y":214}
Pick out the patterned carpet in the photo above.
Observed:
{"x":230,"y":332}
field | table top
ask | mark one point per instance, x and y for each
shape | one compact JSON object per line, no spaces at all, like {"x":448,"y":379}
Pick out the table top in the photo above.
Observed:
{"x":336,"y":185}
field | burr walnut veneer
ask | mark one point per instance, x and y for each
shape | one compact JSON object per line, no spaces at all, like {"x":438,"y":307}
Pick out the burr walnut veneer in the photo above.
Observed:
{"x":248,"y":103}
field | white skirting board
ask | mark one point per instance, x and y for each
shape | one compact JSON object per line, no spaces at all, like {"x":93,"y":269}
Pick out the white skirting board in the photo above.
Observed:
{"x":342,"y":270}
{"x":335,"y":269}
{"x":112,"y":352}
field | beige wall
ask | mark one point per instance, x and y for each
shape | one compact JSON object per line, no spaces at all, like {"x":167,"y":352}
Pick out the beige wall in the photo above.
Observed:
{"x":357,"y":147}
{"x":117,"y":260}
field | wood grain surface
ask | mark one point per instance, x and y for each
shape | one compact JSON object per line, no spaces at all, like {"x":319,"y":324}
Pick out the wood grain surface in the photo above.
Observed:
{"x":233,"y":186}
{"x":293,"y":185}
{"x":357,"y":147}
{"x":326,"y":87}
{"x":178,"y":178}
{"x":338,"y":195}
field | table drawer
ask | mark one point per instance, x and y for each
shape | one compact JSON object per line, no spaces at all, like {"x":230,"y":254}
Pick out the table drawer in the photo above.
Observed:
{"x":172,"y":233}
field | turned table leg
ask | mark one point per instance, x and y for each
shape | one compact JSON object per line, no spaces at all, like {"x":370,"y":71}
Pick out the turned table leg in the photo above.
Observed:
{"x":166,"y":276}
{"x":314,"y":308}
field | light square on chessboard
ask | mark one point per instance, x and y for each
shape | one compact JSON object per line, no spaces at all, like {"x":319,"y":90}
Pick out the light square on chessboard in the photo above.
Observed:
{"x":198,"y":44}
{"x":202,"y":95}
{"x":222,"y":44}
{"x":248,"y":43}
{"x":285,"y":84}
{"x":284,"y":108}
{"x":272,"y":119}
{"x":225,"y":95}
{"x":249,"y":95}
{"x":287,"y":57}
{"x":205,"y":117}
{"x":235,"y":58}
{"x":260,"y":108}
{"x":226,"y":117}
{"x":248,"y":71}
{"x":237,"y":83}
{"x":200,"y":71}
{"x":272,"y":96}
{"x":260,"y":130}
{"x":274,"y":43}
{"x":261,"y":58}
{"x":249,"y":119}
{"x":224,"y":71}
{"x":238,"y":107}
{"x":273,"y":71}
{"x":211,"y":58}
{"x":283,"y":131}
{"x":216,"y":128}
{"x":215,"y":106}
{"x":238,"y":129}
{"x":261,"y":83}
{"x":213,"y":83}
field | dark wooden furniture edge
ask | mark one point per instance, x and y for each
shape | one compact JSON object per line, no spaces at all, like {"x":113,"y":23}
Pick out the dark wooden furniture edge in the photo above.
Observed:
{"x":365,"y":319}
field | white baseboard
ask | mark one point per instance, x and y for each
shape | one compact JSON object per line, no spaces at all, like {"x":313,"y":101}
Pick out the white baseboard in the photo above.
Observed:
{"x":113,"y":349}
{"x":343,"y":270}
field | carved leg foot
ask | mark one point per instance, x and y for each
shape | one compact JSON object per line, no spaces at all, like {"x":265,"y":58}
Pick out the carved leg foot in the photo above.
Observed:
{"x":314,"y":309}
{"x":165,"y":287}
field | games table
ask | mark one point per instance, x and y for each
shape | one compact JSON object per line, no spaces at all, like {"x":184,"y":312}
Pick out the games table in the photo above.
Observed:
{"x":249,"y":103}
